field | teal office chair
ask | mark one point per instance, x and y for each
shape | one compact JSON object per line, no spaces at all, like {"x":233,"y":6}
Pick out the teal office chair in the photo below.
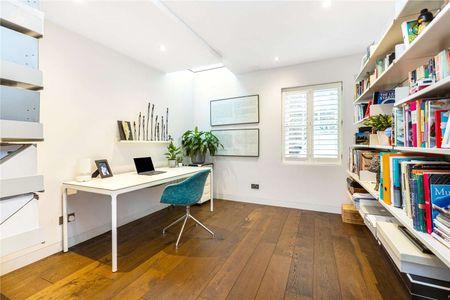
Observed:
{"x":186,"y":193}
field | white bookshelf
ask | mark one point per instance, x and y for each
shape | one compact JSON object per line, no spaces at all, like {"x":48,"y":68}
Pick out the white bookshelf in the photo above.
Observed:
{"x":21,"y":17}
{"x":378,"y":147}
{"x":423,"y":150}
{"x":434,"y":245}
{"x":441,"y":88}
{"x":367,"y":185}
{"x":393,"y":34}
{"x":433,"y":39}
{"x":360,"y":122}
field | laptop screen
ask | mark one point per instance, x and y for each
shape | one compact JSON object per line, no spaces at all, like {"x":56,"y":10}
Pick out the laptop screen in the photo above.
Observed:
{"x":143,"y":164}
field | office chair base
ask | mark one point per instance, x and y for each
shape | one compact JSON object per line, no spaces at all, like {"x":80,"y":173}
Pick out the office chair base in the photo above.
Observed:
{"x":185,"y":218}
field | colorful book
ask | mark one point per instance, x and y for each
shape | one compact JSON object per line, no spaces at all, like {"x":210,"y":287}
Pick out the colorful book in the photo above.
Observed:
{"x":437,"y":185}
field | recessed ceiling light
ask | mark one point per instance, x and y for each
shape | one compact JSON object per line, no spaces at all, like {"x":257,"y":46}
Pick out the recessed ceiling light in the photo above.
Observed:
{"x":326,"y":3}
{"x":162,"y":48}
{"x":276,"y":58}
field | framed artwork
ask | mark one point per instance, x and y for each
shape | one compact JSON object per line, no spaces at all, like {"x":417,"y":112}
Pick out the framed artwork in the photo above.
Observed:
{"x":103,"y":168}
{"x":233,"y":111}
{"x":238,"y":142}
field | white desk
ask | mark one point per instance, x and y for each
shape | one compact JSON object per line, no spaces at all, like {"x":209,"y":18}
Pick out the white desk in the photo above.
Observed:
{"x":120,"y":184}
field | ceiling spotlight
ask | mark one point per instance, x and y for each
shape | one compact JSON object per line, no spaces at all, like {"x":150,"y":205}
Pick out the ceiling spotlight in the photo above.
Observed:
{"x":162,"y":48}
{"x":276,"y":58}
{"x":326,"y":3}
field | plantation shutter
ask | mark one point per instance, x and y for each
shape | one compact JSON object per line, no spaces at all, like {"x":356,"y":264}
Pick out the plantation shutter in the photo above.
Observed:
{"x":295,"y":124}
{"x":326,"y":123}
{"x":311,"y":123}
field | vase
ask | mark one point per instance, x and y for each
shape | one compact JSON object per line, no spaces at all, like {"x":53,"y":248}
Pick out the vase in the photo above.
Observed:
{"x":198,"y":158}
{"x":383,"y":139}
{"x":172,"y":163}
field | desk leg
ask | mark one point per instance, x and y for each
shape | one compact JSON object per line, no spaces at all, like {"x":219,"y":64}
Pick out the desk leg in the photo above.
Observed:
{"x":114,"y":231}
{"x":211,"y":200}
{"x":65,"y":221}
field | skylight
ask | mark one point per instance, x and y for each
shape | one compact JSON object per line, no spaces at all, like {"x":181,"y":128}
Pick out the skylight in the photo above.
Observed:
{"x":206,"y":68}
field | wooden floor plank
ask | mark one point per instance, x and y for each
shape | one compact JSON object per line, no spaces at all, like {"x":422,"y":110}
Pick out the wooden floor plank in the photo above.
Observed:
{"x":260,"y":252}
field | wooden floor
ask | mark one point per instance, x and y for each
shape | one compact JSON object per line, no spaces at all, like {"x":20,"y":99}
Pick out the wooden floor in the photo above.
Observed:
{"x":260,"y":252}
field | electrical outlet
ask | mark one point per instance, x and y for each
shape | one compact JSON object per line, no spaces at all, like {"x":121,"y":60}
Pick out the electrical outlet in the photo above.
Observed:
{"x":70,"y":218}
{"x":254,"y":186}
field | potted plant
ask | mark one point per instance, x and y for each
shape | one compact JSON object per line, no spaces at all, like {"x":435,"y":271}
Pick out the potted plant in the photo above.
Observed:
{"x":196,"y":143}
{"x":379,"y":124}
{"x":172,"y":153}
{"x":180,"y":161}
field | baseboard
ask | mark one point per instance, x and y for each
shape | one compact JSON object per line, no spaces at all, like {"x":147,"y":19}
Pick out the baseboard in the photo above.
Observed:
{"x":17,"y":262}
{"x":89,"y":234}
{"x":297,"y":205}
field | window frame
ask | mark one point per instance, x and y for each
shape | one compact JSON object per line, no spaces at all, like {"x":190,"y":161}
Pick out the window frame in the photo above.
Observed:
{"x":309,"y":159}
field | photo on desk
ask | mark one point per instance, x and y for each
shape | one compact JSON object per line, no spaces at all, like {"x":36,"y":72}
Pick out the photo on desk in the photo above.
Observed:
{"x":103,"y":168}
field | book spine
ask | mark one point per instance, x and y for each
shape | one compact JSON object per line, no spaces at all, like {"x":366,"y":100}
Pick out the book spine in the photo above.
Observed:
{"x":428,"y":217}
{"x":413,"y":191}
{"x":420,"y":203}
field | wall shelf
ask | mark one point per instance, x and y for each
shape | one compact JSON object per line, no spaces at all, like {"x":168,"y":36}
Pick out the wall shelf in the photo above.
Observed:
{"x":143,"y":142}
{"x":368,"y":186}
{"x":393,"y":34}
{"x":440,"y":88}
{"x":372,"y":147}
{"x":433,"y":39}
{"x":434,"y":245}
{"x":22,"y":18}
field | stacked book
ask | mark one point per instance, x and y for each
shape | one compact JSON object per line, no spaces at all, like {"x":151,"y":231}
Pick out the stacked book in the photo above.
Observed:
{"x":419,"y":184}
{"x":436,"y":69}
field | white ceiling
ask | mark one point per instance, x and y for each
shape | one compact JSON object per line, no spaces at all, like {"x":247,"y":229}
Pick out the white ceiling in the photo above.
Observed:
{"x":244,"y":35}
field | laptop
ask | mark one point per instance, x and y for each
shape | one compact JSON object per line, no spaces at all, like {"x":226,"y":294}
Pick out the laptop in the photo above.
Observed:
{"x":144,"y":166}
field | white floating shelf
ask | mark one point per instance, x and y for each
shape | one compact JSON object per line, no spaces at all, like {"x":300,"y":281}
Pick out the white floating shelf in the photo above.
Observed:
{"x":143,"y":142}
{"x":372,"y":147}
{"x":22,"y":18}
{"x":440,"y":88}
{"x":18,"y":131}
{"x":12,"y":74}
{"x":21,"y":185}
{"x":368,"y":186}
{"x":360,"y":122}
{"x":438,"y":249}
{"x":433,"y":39}
{"x":393,"y":34}
{"x":424,"y":150}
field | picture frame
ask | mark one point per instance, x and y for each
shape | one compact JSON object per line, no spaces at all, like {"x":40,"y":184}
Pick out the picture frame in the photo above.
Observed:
{"x":234,"y":110}
{"x":234,"y":140}
{"x":103,"y":168}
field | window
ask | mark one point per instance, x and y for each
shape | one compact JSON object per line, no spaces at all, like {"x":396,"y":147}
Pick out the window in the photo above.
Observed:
{"x":312,"y":124}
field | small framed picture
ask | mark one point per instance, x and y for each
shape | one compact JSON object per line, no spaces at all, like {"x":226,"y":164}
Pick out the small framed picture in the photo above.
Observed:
{"x":103,"y":168}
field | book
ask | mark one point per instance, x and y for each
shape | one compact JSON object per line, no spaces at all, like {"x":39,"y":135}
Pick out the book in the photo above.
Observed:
{"x":384,"y":97}
{"x":409,"y":31}
{"x":437,"y":185}
{"x":441,"y":118}
{"x":440,"y":239}
{"x":399,"y":127}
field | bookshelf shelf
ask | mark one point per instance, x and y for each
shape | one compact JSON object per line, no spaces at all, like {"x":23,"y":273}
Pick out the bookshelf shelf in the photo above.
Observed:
{"x":424,"y":150}
{"x":360,"y":122}
{"x":372,"y":147}
{"x":434,"y":245}
{"x":143,"y":142}
{"x":433,"y":39}
{"x":393,"y":34}
{"x":440,"y":88}
{"x":368,"y":186}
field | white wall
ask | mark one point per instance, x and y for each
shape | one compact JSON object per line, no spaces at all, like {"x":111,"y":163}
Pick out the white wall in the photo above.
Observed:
{"x":87,"y":89}
{"x":301,"y":186}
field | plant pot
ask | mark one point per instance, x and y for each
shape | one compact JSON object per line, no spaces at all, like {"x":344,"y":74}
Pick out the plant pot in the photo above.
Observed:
{"x":383,"y":139}
{"x":180,"y":165}
{"x":198,"y":158}
{"x":373,"y":139}
{"x":172,"y":163}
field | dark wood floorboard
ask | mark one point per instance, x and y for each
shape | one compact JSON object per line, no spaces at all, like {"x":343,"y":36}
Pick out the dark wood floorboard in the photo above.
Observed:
{"x":260,"y":252}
